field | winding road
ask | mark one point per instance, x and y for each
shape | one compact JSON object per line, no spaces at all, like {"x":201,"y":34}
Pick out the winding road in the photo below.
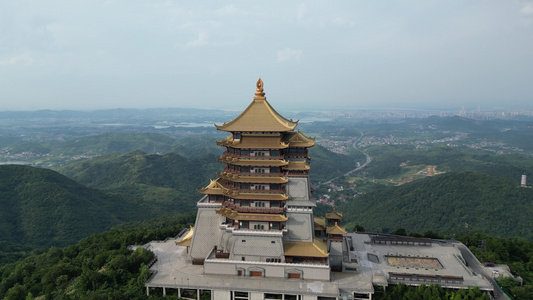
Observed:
{"x":368,"y":160}
{"x":475,"y":265}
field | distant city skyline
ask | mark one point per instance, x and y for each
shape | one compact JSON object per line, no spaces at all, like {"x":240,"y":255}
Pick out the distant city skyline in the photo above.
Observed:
{"x":103,"y":54}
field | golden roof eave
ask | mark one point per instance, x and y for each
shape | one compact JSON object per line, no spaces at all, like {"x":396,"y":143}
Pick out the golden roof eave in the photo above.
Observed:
{"x":215,"y":187}
{"x":298,"y":139}
{"x":336,"y":229}
{"x":334,"y":215}
{"x":305,"y":249}
{"x":252,"y":179}
{"x":297,"y":165}
{"x":187,"y":239}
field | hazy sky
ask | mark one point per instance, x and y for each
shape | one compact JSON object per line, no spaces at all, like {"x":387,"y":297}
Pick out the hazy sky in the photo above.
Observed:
{"x":207,"y":54}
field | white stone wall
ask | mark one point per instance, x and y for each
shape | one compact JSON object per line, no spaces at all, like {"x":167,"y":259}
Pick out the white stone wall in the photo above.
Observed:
{"x":271,"y":270}
{"x":300,"y":227}
{"x":298,"y":188}
{"x":207,"y":233}
{"x":222,"y":295}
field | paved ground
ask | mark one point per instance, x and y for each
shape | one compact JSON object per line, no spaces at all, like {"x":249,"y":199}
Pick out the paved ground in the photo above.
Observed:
{"x":172,"y":269}
{"x":477,"y":267}
{"x":447,"y":253}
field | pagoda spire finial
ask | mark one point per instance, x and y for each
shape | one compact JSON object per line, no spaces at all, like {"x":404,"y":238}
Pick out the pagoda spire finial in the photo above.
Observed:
{"x":259,"y":93}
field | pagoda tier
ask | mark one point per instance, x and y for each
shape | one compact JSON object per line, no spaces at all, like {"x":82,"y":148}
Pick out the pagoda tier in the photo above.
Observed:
{"x":235,"y":215}
{"x":253,"y":162}
{"x":232,"y":177}
{"x":254,"y":142}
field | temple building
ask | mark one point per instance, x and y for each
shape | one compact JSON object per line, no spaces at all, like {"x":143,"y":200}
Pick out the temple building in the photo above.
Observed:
{"x":255,"y":236}
{"x":258,"y":211}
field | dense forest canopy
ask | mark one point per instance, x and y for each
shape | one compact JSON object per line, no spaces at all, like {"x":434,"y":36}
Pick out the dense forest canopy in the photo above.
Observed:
{"x":447,"y":203}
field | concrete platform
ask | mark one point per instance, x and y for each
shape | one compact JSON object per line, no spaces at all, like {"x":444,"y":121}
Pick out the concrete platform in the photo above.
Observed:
{"x":173,"y":270}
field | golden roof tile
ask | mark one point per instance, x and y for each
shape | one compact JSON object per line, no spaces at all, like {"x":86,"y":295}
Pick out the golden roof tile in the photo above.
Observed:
{"x":298,"y":139}
{"x":320,"y":223}
{"x":334,"y":215}
{"x":336,"y":229}
{"x":187,"y":239}
{"x":306,"y":249}
{"x":297,"y":165}
{"x":214,"y":188}
{"x":259,"y":116}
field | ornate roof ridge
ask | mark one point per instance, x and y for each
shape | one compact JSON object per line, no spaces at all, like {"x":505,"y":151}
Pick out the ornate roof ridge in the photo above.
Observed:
{"x":259,"y":106}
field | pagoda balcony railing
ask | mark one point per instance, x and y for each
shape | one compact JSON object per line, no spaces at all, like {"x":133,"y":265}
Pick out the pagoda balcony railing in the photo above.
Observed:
{"x":271,"y":191}
{"x":246,"y":231}
{"x":255,"y":173}
{"x":226,"y":153}
{"x":251,"y":209}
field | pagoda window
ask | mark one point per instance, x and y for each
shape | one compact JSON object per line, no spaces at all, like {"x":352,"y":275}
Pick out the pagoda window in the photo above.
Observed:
{"x":245,"y":202}
{"x":220,"y":198}
{"x":212,"y":198}
{"x":259,"y":204}
{"x":274,"y":153}
{"x":301,"y":150}
{"x":245,"y":186}
{"x":245,"y":169}
{"x":245,"y":152}
{"x":230,"y":150}
{"x":274,"y":170}
{"x":293,"y":150}
{"x":236,"y":135}
{"x":275,"y":186}
{"x":274,"y":226}
{"x":244,"y":224}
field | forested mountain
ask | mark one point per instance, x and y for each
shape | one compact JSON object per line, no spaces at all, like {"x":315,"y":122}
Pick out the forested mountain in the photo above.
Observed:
{"x":167,"y":182}
{"x":98,"y":267}
{"x":120,"y":142}
{"x":41,"y":207}
{"x":453,"y":202}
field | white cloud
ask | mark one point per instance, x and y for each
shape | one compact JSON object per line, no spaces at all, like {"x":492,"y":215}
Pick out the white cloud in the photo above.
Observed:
{"x":289,"y":54}
{"x":342,"y":22}
{"x":301,"y":11}
{"x":199,"y":41}
{"x":227,"y":10}
{"x":527,"y":13}
{"x":22,"y":59}
{"x":527,"y":9}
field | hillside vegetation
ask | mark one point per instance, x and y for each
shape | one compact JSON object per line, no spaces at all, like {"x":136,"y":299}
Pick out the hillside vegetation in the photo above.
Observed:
{"x":98,"y":267}
{"x":448,"y":203}
{"x":167,"y":182}
{"x":41,"y":207}
{"x":387,"y":160}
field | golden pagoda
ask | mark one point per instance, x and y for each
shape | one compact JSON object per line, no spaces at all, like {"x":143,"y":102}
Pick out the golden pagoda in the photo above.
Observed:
{"x":259,"y":208}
